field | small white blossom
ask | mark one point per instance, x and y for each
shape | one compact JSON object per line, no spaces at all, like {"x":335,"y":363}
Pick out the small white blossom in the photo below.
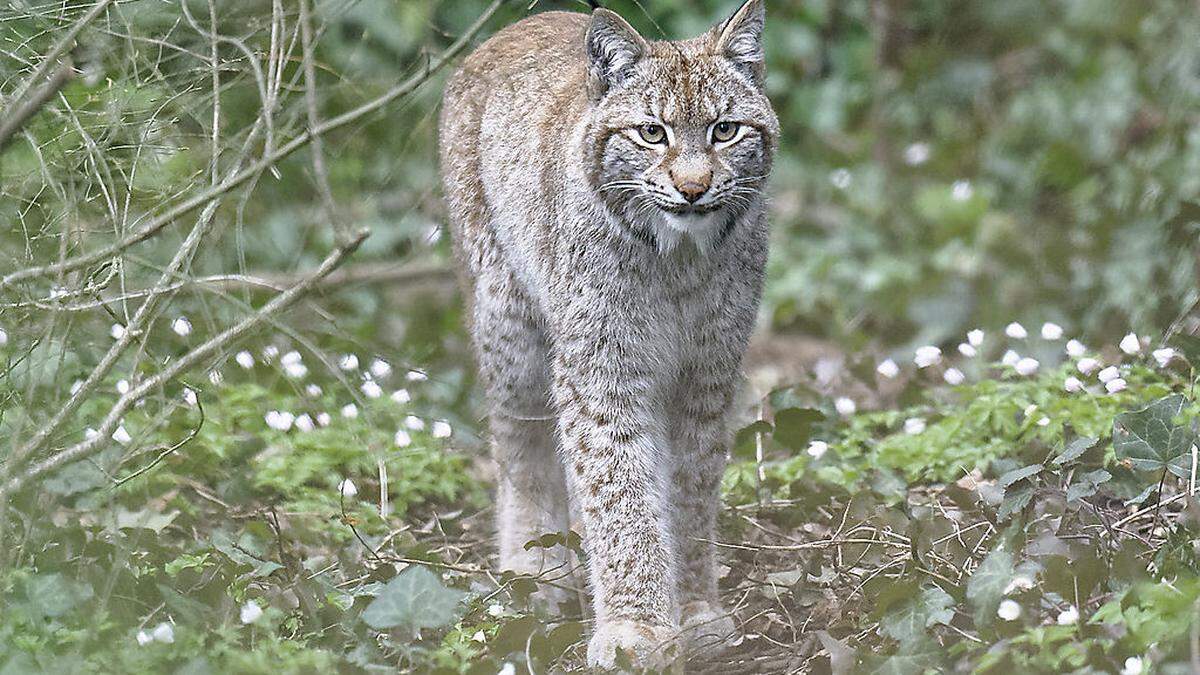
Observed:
{"x":916,"y":154}
{"x":975,"y":337}
{"x":279,"y":420}
{"x":401,"y":396}
{"x":479,"y":637}
{"x":349,"y":411}
{"x":1020,"y":582}
{"x":215,"y":377}
{"x":1068,"y":617}
{"x":371,"y":389}
{"x":1010,"y":358}
{"x":1114,"y":386}
{"x":122,"y":387}
{"x":1108,"y":374}
{"x":414,"y":423}
{"x":845,"y":406}
{"x":324,"y":419}
{"x":1030,"y":409}
{"x":3,"y":337}
{"x":914,"y":426}
{"x":121,"y":435}
{"x":347,"y":488}
{"x":163,"y":632}
{"x":1073,"y":385}
{"x":953,"y":377}
{"x":927,"y":356}
{"x":961,"y":191}
{"x":441,"y":429}
{"x":968,"y":350}
{"x":244,"y":359}
{"x":1086,"y":365}
{"x":416,"y":376}
{"x":1027,"y":366}
{"x":1051,"y":331}
{"x":840,"y":178}
{"x":1075,"y":348}
{"x":144,"y":638}
{"x":402,"y":439}
{"x":1133,"y":666}
{"x":269,"y":353}
{"x":888,"y":369}
{"x":182,"y":326}
{"x":189,"y":396}
{"x":251,"y":612}
{"x":817,"y":449}
{"x":76,"y":386}
{"x":1163,"y":356}
{"x":1009,"y":610}
{"x":380,"y":368}
{"x":90,"y":433}
{"x":348,"y":362}
{"x":1016,"y":331}
{"x":117,"y":331}
{"x":305,"y":423}
{"x":313,"y":390}
{"x":291,"y":357}
{"x":295,"y":371}
{"x":1043,"y":422}
{"x":510,"y":669}
{"x":495,"y":609}
{"x":1130,"y":344}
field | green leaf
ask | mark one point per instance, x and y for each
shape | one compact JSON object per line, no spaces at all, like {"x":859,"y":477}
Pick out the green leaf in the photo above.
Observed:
{"x":1189,"y":345}
{"x":1087,"y":484}
{"x":415,"y":598}
{"x":986,"y":586}
{"x":913,"y":658}
{"x":908,"y":623}
{"x":1019,"y":474}
{"x":793,"y":426}
{"x":1075,"y":449}
{"x":1151,"y":441}
{"x":53,"y":595}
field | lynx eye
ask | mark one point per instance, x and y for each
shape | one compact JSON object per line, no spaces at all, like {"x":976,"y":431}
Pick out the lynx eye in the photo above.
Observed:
{"x":724,"y":131}
{"x":653,"y":134}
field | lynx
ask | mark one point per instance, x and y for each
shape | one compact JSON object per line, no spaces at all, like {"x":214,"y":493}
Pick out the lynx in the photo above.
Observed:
{"x":606,"y":199}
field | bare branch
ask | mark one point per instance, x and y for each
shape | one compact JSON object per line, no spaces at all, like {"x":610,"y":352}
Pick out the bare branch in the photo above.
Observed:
{"x":15,"y":118}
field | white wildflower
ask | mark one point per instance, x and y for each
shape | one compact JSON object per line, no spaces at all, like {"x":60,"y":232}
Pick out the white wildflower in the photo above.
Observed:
{"x":380,"y":368}
{"x":189,"y":396}
{"x":495,"y":609}
{"x":117,"y":331}
{"x":269,"y":353}
{"x":1051,"y":331}
{"x":348,"y":362}
{"x":1068,"y":617}
{"x":90,"y":433}
{"x":1133,"y":666}
{"x":1027,"y":366}
{"x":509,"y":669}
{"x":927,"y":356}
{"x":3,"y":337}
{"x":401,"y":396}
{"x":163,"y":632}
{"x":961,"y":191}
{"x":1086,"y":365}
{"x":953,"y":377}
{"x":1073,"y":385}
{"x":295,"y":371}
{"x":313,"y":390}
{"x":1163,"y":356}
{"x":251,"y":612}
{"x":305,"y":423}
{"x":1009,"y":610}
{"x":817,"y":449}
{"x":144,"y":638}
{"x":840,"y":178}
{"x":479,"y":637}
{"x":414,"y":423}
{"x":1010,"y":358}
{"x":845,"y":406}
{"x":122,"y":387}
{"x":1016,"y":331}
{"x":324,"y":419}
{"x":1020,"y":582}
{"x":182,"y":326}
{"x":291,"y":357}
{"x":1030,"y":409}
{"x":244,"y":359}
{"x":914,"y":426}
{"x":441,"y":429}
{"x":1075,"y":348}
{"x":402,"y":439}
{"x":279,"y":420}
{"x":975,"y":337}
{"x":416,"y":376}
{"x":121,"y":435}
{"x":347,"y":488}
{"x":1108,"y":374}
{"x":916,"y":154}
{"x":967,"y":349}
{"x":1114,"y":386}
{"x":1043,"y":422}
{"x":371,"y":389}
{"x":1130,"y":344}
{"x":888,"y":369}
{"x":349,"y":411}
{"x":215,"y":377}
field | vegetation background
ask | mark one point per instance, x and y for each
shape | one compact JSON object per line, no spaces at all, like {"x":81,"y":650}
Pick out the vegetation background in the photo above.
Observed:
{"x":239,"y":435}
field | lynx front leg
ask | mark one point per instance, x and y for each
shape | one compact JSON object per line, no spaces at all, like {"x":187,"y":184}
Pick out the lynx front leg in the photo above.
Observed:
{"x":611,"y":438}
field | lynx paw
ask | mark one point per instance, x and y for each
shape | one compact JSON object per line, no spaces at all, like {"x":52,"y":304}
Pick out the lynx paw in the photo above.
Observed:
{"x":707,"y":628}
{"x":645,"y":645}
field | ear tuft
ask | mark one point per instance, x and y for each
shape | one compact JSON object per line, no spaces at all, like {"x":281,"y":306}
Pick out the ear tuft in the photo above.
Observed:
{"x":613,"y":49}
{"x":740,"y":39}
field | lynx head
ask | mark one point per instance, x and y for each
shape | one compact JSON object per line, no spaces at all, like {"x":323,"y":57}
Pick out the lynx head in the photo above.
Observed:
{"x":683,"y":134}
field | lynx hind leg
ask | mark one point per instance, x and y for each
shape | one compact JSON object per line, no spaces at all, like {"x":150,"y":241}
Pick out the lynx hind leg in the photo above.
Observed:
{"x":532,"y":493}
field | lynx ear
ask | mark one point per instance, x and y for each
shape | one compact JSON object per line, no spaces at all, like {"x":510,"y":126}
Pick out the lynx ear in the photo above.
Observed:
{"x":739,"y":39}
{"x":613,"y":49}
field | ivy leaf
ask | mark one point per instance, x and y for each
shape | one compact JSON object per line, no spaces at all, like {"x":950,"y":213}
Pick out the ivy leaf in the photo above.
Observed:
{"x":1075,"y":449}
{"x":986,"y":587}
{"x":415,"y":598}
{"x":1151,"y":441}
{"x":1019,"y":474}
{"x":932,"y":607}
{"x":1014,"y":502}
{"x":913,"y":658}
{"x":1087,"y":484}
{"x":793,"y":426}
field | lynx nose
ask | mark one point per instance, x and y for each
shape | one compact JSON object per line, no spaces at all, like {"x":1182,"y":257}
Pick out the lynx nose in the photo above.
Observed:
{"x":692,"y":190}
{"x":692,"y":185}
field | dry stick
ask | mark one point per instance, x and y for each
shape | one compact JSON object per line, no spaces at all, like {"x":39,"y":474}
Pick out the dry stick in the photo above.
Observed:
{"x":341,"y":231}
{"x":166,"y":218}
{"x":14,"y":119}
{"x":188,"y":360}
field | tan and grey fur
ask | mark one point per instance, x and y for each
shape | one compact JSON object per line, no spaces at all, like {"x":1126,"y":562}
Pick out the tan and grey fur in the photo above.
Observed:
{"x":613,"y":276}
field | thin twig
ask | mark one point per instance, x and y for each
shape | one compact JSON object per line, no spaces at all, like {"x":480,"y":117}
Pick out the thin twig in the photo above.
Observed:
{"x":14,"y":118}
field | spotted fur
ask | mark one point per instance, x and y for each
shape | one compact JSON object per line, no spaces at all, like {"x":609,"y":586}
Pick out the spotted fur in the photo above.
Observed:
{"x":612,"y":284}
